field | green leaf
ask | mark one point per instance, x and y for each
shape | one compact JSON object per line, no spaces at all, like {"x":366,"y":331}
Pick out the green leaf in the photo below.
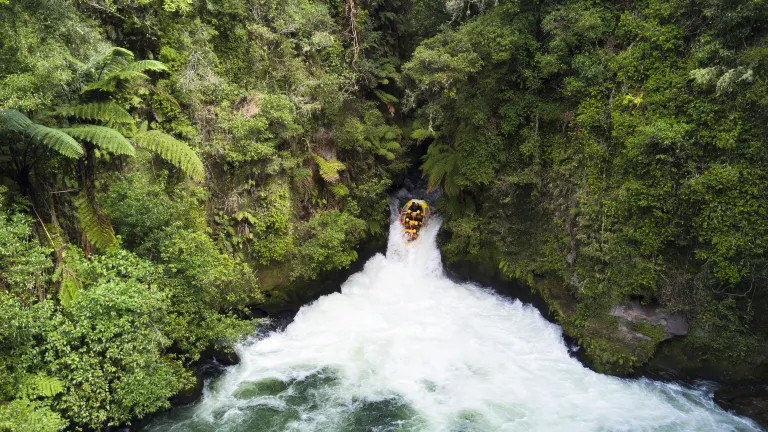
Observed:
{"x":384,"y":97}
{"x":109,"y":113}
{"x":106,"y":138}
{"x":329,"y":169}
{"x":93,"y":222}
{"x":41,"y":385}
{"x":70,"y":287}
{"x":391,"y":146}
{"x":14,"y":120}
{"x":172,"y":150}
{"x":145,"y":65}
{"x":420,"y":134}
{"x":55,"y":139}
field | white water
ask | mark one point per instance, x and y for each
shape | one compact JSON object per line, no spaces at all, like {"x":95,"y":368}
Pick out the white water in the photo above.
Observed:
{"x":404,"y":348}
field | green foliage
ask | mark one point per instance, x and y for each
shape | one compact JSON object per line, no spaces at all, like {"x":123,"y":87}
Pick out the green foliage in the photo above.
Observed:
{"x":106,"y":112}
{"x":329,"y":169}
{"x":327,"y":242}
{"x":614,"y":148}
{"x":14,"y":121}
{"x":32,"y":416}
{"x":93,"y":222}
{"x":40,"y":385}
{"x":24,"y":263}
{"x":172,"y":150}
{"x":117,"y":69}
{"x":55,"y":139}
{"x":105,"y":138}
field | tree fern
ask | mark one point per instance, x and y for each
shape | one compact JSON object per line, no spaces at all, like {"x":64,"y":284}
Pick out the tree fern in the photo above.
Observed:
{"x":329,"y":169}
{"x":108,"y":113}
{"x":172,"y":150}
{"x":14,"y":120}
{"x":93,"y":222}
{"x":441,"y":164}
{"x":55,"y":139}
{"x":105,"y":138}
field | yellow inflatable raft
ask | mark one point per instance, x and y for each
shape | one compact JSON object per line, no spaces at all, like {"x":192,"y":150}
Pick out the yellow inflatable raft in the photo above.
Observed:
{"x":414,"y":215}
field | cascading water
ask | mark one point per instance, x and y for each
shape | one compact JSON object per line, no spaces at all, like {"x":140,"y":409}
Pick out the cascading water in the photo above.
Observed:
{"x":403,"y":348}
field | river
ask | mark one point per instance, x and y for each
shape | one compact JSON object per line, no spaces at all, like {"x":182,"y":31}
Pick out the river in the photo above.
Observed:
{"x":404,"y":348}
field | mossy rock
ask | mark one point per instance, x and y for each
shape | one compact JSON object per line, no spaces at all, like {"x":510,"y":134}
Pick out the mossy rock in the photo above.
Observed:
{"x":265,"y":387}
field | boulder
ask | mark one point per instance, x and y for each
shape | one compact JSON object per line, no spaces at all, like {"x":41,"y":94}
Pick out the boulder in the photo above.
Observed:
{"x":192,"y":394}
{"x":634,"y":313}
{"x":749,"y":400}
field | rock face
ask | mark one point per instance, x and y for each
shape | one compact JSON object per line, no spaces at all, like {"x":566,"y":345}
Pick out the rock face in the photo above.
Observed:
{"x":750,"y":400}
{"x":671,"y":324}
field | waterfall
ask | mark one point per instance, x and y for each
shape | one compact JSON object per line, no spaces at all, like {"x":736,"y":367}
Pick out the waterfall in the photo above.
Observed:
{"x":404,"y":348}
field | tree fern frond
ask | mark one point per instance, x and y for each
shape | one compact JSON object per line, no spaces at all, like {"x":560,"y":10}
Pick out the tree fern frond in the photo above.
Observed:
{"x":109,"y":113}
{"x":391,"y":145}
{"x":441,"y":164}
{"x":93,"y":222}
{"x":386,"y":153}
{"x":70,"y":287}
{"x":329,"y":169}
{"x":55,"y":139}
{"x":172,"y":150}
{"x":40,"y":385}
{"x":384,"y":97}
{"x":145,"y":65}
{"x":106,"y":138}
{"x":14,"y":120}
{"x":110,"y":82}
{"x":340,"y":190}
{"x":116,"y":59}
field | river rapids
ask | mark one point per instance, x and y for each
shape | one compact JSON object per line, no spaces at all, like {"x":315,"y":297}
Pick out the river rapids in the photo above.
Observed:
{"x":404,"y":348}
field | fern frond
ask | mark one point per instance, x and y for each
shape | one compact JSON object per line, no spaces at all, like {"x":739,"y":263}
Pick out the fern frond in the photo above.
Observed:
{"x":339,"y":189}
{"x":55,"y":139}
{"x":172,"y":150}
{"x":420,"y":134}
{"x":114,"y":79}
{"x":391,"y":145}
{"x":386,"y":153}
{"x":116,"y":59}
{"x":93,"y":222}
{"x":329,"y":169}
{"x":40,"y":385}
{"x":106,"y":138}
{"x":441,"y":164}
{"x":145,"y":65}
{"x":109,"y":113}
{"x":70,"y":287}
{"x":385,"y":97}
{"x":14,"y":120}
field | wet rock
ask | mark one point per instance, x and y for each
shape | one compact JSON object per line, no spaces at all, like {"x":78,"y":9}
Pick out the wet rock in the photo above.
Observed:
{"x":671,"y":324}
{"x":265,"y":387}
{"x":749,"y":400}
{"x":192,"y":394}
{"x":225,"y":357}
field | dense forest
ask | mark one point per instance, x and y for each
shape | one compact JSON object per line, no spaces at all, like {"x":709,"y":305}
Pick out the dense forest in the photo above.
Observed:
{"x":165,"y":164}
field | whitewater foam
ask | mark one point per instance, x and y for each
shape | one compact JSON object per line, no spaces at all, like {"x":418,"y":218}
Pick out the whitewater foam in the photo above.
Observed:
{"x":403,"y":348}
